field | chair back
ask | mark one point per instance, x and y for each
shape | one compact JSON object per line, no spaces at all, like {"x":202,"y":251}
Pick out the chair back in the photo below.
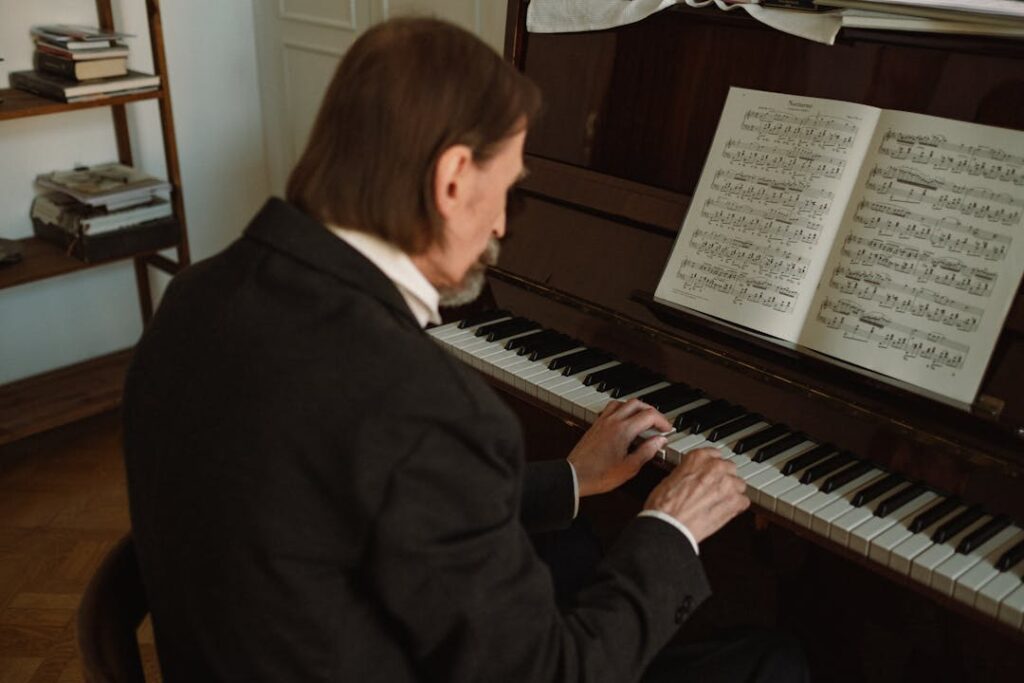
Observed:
{"x":113,"y":606}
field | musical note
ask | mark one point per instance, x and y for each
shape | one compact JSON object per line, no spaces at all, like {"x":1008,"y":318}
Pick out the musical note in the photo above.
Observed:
{"x":795,"y":195}
{"x":788,"y":159}
{"x":816,"y":130}
{"x":943,"y":232}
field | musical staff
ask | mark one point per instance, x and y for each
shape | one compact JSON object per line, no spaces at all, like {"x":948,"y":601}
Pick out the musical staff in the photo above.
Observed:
{"x":749,"y":256}
{"x":792,"y":194}
{"x":942,"y":155}
{"x":941,"y":232}
{"x":919,"y":302}
{"x":862,"y":325}
{"x":922,"y":266}
{"x":769,"y":224}
{"x":910,"y":186}
{"x":784,"y":159}
{"x":817,"y":130}
{"x":697,"y":278}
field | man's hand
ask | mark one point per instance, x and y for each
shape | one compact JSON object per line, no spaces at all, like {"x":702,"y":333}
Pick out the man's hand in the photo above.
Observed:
{"x":602,"y":459}
{"x":703,"y":493}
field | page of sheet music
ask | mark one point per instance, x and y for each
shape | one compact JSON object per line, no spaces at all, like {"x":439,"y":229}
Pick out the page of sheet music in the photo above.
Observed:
{"x":767,"y":208}
{"x":929,"y":255}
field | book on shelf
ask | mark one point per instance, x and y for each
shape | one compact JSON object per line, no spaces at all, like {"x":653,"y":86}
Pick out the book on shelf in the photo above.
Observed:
{"x":67,"y":213}
{"x":111,"y":185}
{"x":74,"y":36}
{"x":80,"y":70}
{"x":80,"y":54}
{"x":885,"y":241}
{"x":114,"y":244}
{"x":70,"y":90}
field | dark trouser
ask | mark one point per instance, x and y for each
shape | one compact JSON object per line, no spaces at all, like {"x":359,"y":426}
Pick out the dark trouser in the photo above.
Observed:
{"x":748,"y":655}
{"x":740,"y":656}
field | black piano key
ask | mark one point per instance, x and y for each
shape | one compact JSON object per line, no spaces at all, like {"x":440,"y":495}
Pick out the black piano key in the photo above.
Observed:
{"x":717,"y":417}
{"x":564,"y":361}
{"x":729,"y":428}
{"x":815,"y":455}
{"x":685,"y":420}
{"x":1011,"y":557}
{"x":934,"y":514}
{"x":630,"y":374}
{"x":555,"y":347}
{"x":529,"y":341}
{"x":482,"y":317}
{"x":876,"y":489}
{"x":608,"y":373}
{"x":846,"y":476}
{"x":583,"y":361}
{"x":776,"y":447}
{"x":825,"y":468}
{"x":631,"y":386}
{"x":505,"y":329}
{"x":899,"y":499}
{"x":981,"y":535}
{"x":760,"y":438}
{"x":958,"y":524}
{"x":672,"y":397}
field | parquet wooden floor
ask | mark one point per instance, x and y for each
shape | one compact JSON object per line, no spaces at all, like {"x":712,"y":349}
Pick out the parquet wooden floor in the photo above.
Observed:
{"x":63,"y":505}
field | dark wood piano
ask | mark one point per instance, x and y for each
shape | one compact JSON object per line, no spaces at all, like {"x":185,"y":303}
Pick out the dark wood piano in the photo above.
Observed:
{"x":630,"y":115}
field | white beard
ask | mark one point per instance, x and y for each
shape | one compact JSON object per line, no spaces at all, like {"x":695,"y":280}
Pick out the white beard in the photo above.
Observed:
{"x":473,"y":283}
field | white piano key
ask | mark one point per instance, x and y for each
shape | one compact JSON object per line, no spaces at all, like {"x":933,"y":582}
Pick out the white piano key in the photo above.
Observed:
{"x":805,"y":510}
{"x":945,"y":576}
{"x":863,"y":536}
{"x":756,"y":483}
{"x":827,"y":515}
{"x":785,"y":505}
{"x":970,"y":583}
{"x":922,"y":566}
{"x":1011,"y":609}
{"x":594,"y":408}
{"x":441,"y":331}
{"x":902,"y":554}
{"x":992,"y":593}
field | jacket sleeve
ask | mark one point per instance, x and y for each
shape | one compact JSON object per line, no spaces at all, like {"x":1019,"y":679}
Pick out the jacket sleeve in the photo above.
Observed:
{"x":454,"y":569}
{"x":548,"y":498}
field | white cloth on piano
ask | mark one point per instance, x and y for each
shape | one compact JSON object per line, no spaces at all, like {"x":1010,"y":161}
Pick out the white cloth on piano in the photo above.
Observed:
{"x":558,"y":16}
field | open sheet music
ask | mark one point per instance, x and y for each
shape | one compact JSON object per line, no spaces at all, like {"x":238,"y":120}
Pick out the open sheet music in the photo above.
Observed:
{"x":889,"y":240}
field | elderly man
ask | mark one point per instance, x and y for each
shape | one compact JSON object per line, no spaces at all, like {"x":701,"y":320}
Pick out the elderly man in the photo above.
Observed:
{"x":318,"y":492}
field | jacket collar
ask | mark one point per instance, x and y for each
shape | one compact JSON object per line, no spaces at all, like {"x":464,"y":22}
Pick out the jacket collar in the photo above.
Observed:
{"x":286,"y":229}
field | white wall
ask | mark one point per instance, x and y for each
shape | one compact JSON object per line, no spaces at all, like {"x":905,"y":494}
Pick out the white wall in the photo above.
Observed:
{"x":211,"y":55}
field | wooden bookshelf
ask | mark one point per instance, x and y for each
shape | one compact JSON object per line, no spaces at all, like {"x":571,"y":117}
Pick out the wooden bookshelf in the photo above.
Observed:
{"x":19,"y":104}
{"x":55,"y":398}
{"x":43,"y":402}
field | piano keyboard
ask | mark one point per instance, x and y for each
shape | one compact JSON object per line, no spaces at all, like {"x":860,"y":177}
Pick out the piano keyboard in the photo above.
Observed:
{"x":933,"y":539}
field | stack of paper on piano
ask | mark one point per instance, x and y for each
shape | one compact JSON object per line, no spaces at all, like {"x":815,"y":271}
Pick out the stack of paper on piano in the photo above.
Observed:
{"x":888,"y":240}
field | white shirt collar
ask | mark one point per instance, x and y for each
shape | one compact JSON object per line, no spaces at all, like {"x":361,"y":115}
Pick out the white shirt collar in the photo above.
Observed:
{"x":421,"y":296}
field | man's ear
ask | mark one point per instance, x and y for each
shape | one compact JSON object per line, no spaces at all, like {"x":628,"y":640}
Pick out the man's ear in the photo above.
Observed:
{"x":450,"y":179}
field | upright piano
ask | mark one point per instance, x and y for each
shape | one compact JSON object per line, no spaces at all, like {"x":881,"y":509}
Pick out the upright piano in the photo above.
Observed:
{"x":887,"y":528}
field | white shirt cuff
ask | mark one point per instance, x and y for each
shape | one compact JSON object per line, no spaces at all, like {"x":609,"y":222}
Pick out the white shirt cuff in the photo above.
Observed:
{"x":674,"y":522}
{"x":575,"y":490}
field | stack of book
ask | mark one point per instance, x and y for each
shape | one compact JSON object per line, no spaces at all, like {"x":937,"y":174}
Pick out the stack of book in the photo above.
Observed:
{"x":80,"y":63}
{"x":103,"y":212}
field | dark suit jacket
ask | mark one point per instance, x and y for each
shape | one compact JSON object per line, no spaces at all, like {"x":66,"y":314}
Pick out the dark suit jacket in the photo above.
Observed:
{"x":319,"y":492}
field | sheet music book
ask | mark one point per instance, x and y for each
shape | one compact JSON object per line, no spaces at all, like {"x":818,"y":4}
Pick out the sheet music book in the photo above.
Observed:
{"x":889,"y":240}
